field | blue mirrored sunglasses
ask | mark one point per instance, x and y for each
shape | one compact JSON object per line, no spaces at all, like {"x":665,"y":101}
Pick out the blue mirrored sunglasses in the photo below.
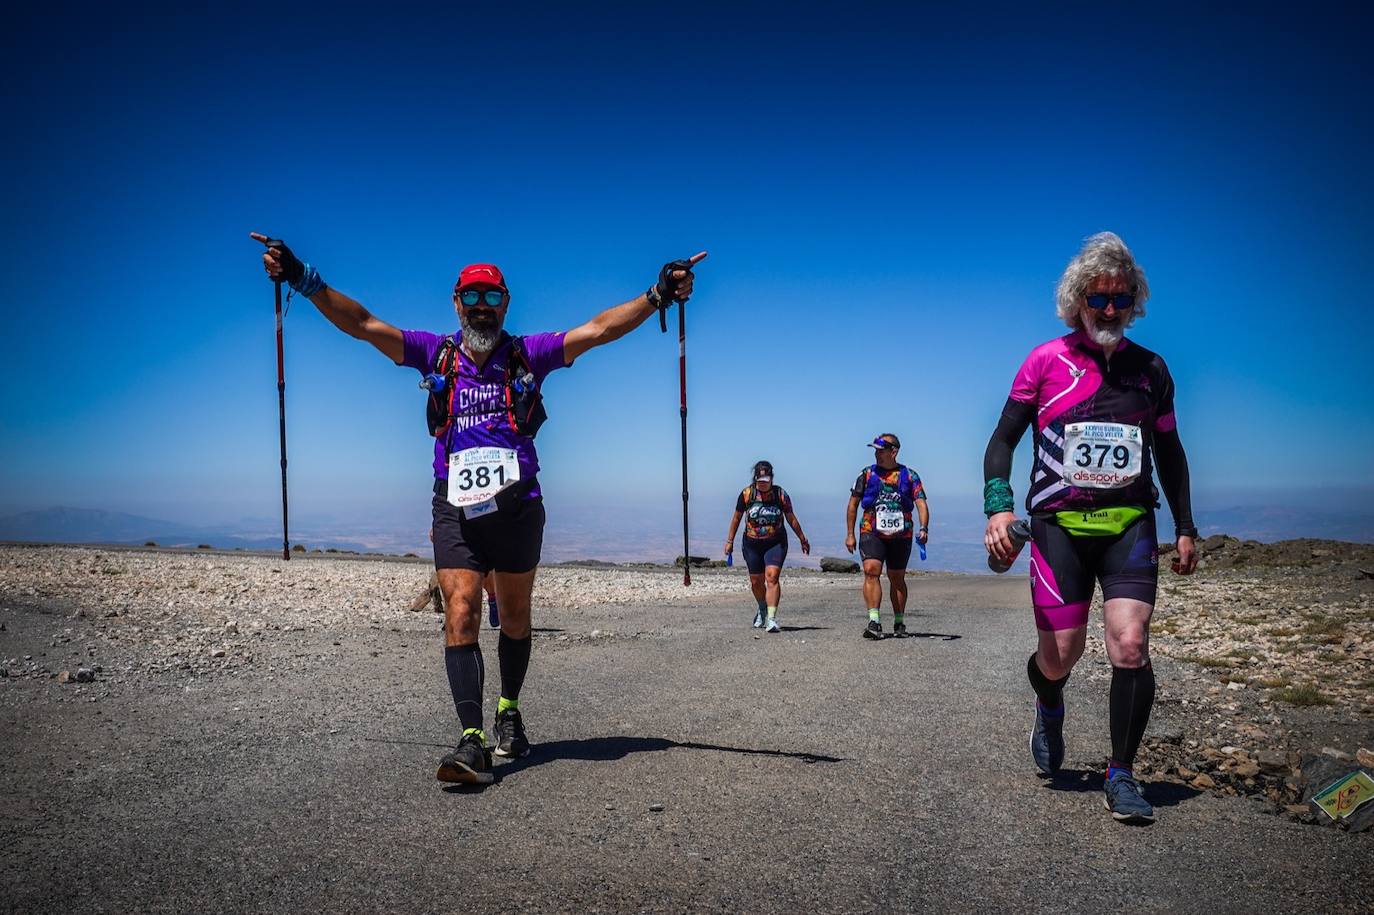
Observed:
{"x":490,"y":297}
{"x":1121,"y":301}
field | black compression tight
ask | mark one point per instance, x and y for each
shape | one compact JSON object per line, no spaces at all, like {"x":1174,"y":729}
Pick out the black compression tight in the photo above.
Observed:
{"x":514,"y":657}
{"x":1131,"y":697}
{"x":465,"y":677}
{"x":1049,"y":692}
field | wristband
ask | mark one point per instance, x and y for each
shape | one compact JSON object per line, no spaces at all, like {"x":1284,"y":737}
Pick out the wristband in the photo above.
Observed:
{"x":308,"y":283}
{"x":1185,"y":532}
{"x":997,"y":497}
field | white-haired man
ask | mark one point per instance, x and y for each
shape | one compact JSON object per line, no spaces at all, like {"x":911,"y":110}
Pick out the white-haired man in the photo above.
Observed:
{"x":1103,"y":408}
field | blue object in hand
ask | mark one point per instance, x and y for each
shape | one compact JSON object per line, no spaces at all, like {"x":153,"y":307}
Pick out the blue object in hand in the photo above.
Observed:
{"x":923,"y":550}
{"x":729,"y":559}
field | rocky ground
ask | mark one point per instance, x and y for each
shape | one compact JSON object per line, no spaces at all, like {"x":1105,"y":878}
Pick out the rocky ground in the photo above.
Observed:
{"x":1277,"y":649}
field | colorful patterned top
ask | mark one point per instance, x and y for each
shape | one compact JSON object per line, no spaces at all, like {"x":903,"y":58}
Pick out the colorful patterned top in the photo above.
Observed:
{"x":1094,"y":424}
{"x":764,"y":513}
{"x":889,"y":501}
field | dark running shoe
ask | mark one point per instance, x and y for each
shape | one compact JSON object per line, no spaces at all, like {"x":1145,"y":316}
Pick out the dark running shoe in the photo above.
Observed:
{"x":510,"y":734}
{"x":874,"y":630}
{"x":1124,"y":801}
{"x":468,"y":764}
{"x":899,"y":630}
{"x":1047,"y":740}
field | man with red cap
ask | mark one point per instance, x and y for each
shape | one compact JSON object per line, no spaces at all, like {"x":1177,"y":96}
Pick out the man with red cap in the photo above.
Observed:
{"x":485,"y":407}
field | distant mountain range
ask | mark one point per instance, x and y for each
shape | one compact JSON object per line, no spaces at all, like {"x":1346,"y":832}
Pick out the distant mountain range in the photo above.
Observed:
{"x":651,"y":534}
{"x":93,"y":525}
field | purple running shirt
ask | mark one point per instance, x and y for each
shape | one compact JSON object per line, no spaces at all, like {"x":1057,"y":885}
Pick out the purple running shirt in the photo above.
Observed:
{"x":479,"y":407}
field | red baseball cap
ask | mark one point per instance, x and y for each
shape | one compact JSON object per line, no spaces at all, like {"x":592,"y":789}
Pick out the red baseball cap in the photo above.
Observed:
{"x":488,"y":275}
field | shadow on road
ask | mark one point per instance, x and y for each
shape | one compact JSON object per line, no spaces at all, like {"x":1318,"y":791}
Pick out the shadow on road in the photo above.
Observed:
{"x":802,"y":628}
{"x":606,"y":749}
{"x":1160,"y":794}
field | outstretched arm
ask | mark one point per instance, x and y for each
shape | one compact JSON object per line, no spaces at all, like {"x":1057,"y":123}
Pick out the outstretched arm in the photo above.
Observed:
{"x":614,"y":323}
{"x":343,"y":312}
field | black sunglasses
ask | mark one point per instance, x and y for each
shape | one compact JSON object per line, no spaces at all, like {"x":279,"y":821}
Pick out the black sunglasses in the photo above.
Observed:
{"x":1121,"y":301}
{"x":491,"y":297}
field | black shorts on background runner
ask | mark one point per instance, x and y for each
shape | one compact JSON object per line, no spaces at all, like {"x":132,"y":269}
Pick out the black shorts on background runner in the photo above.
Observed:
{"x":759,"y":554}
{"x":894,"y":552}
{"x":507,"y":540}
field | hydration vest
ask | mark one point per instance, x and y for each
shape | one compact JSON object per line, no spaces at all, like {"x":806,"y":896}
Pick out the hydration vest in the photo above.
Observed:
{"x":523,"y":401}
{"x":753,"y":497}
{"x":873,"y":486}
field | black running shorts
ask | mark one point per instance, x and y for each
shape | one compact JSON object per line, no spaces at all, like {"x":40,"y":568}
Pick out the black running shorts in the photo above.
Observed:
{"x":894,"y":552}
{"x":507,"y":540}
{"x":760,"y":554}
{"x":1064,"y":569}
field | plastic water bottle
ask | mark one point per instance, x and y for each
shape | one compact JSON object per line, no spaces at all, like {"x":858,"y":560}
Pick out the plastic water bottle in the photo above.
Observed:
{"x":730,"y":559}
{"x":1019,"y":532}
{"x":923,"y":550}
{"x":433,"y":382}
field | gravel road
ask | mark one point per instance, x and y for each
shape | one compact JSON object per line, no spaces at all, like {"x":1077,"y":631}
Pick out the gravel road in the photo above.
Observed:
{"x":682,"y":760}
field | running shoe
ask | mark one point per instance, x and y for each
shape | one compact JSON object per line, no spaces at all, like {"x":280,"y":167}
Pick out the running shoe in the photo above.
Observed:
{"x":468,"y":764}
{"x":758,"y":619}
{"x":510,"y":734}
{"x":1123,"y":799}
{"x":493,"y":615}
{"x":1047,"y":741}
{"x":773,"y":626}
{"x":899,"y":630}
{"x":874,"y":630}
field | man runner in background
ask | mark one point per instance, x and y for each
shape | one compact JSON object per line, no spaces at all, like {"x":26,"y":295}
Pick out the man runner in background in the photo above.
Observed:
{"x":888,"y":492}
{"x":488,"y":513}
{"x":1102,"y":406}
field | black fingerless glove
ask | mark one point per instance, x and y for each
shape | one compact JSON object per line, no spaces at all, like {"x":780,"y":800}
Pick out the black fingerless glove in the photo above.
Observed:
{"x":666,"y":285}
{"x":293,"y":270}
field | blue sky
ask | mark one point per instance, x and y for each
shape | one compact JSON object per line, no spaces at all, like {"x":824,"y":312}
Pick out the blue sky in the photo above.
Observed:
{"x":887,"y":201}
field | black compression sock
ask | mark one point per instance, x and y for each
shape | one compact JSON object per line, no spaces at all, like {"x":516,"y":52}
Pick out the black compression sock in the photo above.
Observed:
{"x":465,"y":677}
{"x":1130,"y":699}
{"x":1049,"y":692}
{"x":514,"y":658}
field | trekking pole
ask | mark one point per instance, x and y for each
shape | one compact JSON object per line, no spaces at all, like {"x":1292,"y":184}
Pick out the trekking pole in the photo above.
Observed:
{"x":281,"y":410}
{"x":686,"y":267}
{"x":682,"y":386}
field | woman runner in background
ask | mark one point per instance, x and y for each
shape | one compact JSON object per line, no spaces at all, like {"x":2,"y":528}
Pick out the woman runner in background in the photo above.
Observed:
{"x":764,"y":506}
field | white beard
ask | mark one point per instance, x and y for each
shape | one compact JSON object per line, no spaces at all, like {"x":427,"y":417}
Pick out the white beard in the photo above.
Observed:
{"x":1104,"y":335}
{"x":479,"y":339}
{"x":1107,"y":336}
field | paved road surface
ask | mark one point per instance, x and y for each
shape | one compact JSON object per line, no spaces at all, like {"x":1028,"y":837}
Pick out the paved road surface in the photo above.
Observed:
{"x":811,"y":770}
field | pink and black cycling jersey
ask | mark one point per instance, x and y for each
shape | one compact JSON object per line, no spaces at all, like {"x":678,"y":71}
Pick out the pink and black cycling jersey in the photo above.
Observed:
{"x":1083,"y":403}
